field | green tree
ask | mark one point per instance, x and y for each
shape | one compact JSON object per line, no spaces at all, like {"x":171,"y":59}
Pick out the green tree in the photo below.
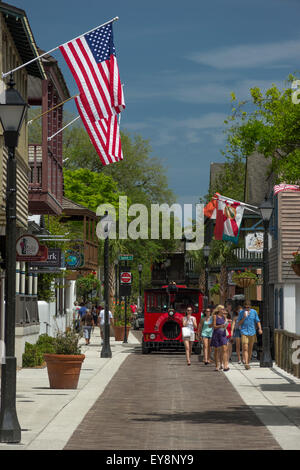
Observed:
{"x":269,"y":123}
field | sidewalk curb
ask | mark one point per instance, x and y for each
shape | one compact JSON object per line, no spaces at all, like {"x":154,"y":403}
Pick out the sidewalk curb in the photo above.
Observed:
{"x":271,"y":413}
{"x":57,"y":433}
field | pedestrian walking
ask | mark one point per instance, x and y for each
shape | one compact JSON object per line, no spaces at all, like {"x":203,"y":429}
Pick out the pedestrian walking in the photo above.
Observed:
{"x":236,"y":333}
{"x":76,"y":318}
{"x":102,"y":321}
{"x":94,"y":313}
{"x":87,"y":323}
{"x":248,"y":320}
{"x":229,"y":334}
{"x":205,"y":332}
{"x":189,"y":324}
{"x":82,"y":310}
{"x":219,"y":338}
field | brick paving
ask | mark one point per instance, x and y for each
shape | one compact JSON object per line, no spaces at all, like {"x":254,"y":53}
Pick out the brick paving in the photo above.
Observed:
{"x":157,"y":402}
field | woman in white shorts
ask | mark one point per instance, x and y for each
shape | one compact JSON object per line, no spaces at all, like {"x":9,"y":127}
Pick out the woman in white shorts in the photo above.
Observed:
{"x":189,"y":322}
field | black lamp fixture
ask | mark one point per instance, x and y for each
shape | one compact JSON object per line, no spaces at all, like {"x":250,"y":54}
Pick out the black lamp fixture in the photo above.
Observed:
{"x":12,"y":114}
{"x":106,"y":223}
{"x":206,"y":251}
{"x":266,"y":210}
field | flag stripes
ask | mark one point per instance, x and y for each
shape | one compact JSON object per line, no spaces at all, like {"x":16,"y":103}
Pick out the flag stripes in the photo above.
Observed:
{"x":104,"y":134}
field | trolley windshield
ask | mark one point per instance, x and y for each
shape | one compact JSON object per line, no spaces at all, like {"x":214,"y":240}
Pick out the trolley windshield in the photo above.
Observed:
{"x":157,"y":302}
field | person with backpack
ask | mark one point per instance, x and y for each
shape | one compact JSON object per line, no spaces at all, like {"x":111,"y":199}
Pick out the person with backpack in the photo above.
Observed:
{"x":87,"y":323}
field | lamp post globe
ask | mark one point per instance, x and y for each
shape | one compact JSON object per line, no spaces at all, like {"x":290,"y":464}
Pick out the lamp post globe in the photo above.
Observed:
{"x":266,"y":210}
{"x":12,"y":114}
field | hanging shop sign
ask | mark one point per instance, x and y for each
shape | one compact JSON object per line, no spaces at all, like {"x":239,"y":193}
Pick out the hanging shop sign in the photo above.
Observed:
{"x":28,"y":249}
{"x":254,"y":242}
{"x":73,"y":259}
{"x":27,"y":245}
{"x":54,"y":260}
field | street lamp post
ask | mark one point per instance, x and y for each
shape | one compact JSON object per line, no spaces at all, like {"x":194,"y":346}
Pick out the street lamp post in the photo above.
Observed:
{"x":140,"y":268}
{"x":106,"y":223}
{"x":266,"y":210}
{"x":116,"y":280}
{"x":12,"y":115}
{"x":206,"y":251}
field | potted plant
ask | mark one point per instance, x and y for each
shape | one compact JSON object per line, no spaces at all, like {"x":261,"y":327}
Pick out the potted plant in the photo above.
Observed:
{"x":296,"y":262}
{"x":245,"y":278}
{"x":119,"y":321}
{"x":64,"y":364}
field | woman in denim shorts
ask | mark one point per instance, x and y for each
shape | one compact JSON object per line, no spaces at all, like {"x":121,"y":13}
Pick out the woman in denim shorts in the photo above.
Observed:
{"x":236,"y":333}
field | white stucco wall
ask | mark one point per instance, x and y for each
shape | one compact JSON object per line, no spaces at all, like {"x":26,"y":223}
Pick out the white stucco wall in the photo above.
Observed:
{"x":298,"y":309}
{"x":289,"y":307}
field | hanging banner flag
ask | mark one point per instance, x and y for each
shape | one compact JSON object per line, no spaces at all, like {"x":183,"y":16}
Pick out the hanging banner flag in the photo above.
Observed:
{"x":210,"y":210}
{"x":219,"y":227}
{"x":233,"y":215}
{"x":93,"y":64}
{"x":229,"y":215}
{"x":104,"y":135}
{"x":285,"y":187}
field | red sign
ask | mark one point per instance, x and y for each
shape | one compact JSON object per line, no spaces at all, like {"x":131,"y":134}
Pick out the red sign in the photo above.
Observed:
{"x":126,"y":278}
{"x":42,"y":255}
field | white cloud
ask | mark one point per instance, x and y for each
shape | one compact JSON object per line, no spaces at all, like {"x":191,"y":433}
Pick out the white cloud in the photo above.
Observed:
{"x":249,"y":55}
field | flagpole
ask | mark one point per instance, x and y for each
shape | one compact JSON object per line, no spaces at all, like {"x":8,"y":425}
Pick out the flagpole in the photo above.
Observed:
{"x":49,"y":110}
{"x":224,"y":198}
{"x":55,"y":48}
{"x":50,"y":138}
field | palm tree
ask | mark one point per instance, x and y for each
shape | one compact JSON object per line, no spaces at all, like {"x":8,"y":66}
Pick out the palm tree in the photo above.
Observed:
{"x":222,"y":254}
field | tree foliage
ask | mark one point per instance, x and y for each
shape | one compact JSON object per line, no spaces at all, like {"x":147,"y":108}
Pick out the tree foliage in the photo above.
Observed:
{"x":269,"y":124}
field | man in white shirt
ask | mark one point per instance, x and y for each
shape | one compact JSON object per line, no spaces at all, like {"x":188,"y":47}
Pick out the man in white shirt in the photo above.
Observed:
{"x":102,"y":321}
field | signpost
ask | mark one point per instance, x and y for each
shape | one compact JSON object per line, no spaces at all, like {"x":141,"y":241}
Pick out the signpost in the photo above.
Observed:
{"x":125,"y":285}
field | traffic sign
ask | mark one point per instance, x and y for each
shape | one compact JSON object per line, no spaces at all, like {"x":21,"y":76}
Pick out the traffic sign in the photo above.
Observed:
{"x":126,"y":257}
{"x":126,"y":277}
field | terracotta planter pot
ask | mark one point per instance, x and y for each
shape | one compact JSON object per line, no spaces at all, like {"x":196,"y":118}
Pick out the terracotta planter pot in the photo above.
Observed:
{"x":245,"y":282}
{"x":296,"y":268}
{"x":64,"y":370}
{"x":120,"y":331}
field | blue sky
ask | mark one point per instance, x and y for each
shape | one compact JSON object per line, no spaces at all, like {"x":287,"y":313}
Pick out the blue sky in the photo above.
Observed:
{"x":179,"y":62}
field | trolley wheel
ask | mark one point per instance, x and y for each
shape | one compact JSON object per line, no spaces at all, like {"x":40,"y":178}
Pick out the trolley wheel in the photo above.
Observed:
{"x":145,"y":349}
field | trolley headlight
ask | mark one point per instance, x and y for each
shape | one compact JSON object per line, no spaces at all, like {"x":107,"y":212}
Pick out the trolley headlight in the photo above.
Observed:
{"x":171,"y":313}
{"x":152,"y":336}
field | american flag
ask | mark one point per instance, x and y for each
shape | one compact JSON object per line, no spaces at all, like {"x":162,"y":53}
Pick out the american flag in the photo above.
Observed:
{"x":92,"y":61}
{"x":104,"y":134}
{"x":285,"y":187}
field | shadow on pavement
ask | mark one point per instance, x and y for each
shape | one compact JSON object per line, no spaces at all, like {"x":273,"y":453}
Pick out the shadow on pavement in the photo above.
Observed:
{"x":239,"y":415}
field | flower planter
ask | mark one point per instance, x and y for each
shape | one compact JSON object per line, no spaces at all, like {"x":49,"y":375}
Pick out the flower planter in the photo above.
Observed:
{"x":120,"y":331}
{"x":244,"y":282}
{"x":296,"y":268}
{"x":64,"y":370}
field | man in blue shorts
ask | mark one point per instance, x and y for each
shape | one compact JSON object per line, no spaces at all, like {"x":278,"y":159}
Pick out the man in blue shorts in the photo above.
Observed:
{"x":248,"y":321}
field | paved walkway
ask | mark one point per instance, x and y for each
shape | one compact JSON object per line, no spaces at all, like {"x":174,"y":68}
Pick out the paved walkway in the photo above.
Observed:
{"x":155,"y":401}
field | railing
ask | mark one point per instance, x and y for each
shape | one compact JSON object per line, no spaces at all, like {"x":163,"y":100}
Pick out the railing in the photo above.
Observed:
{"x":35,"y":157}
{"x":287,"y":351}
{"x":244,"y":258}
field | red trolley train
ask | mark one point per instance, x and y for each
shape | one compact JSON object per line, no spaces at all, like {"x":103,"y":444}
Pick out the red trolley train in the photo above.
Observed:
{"x":164,"y":308}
